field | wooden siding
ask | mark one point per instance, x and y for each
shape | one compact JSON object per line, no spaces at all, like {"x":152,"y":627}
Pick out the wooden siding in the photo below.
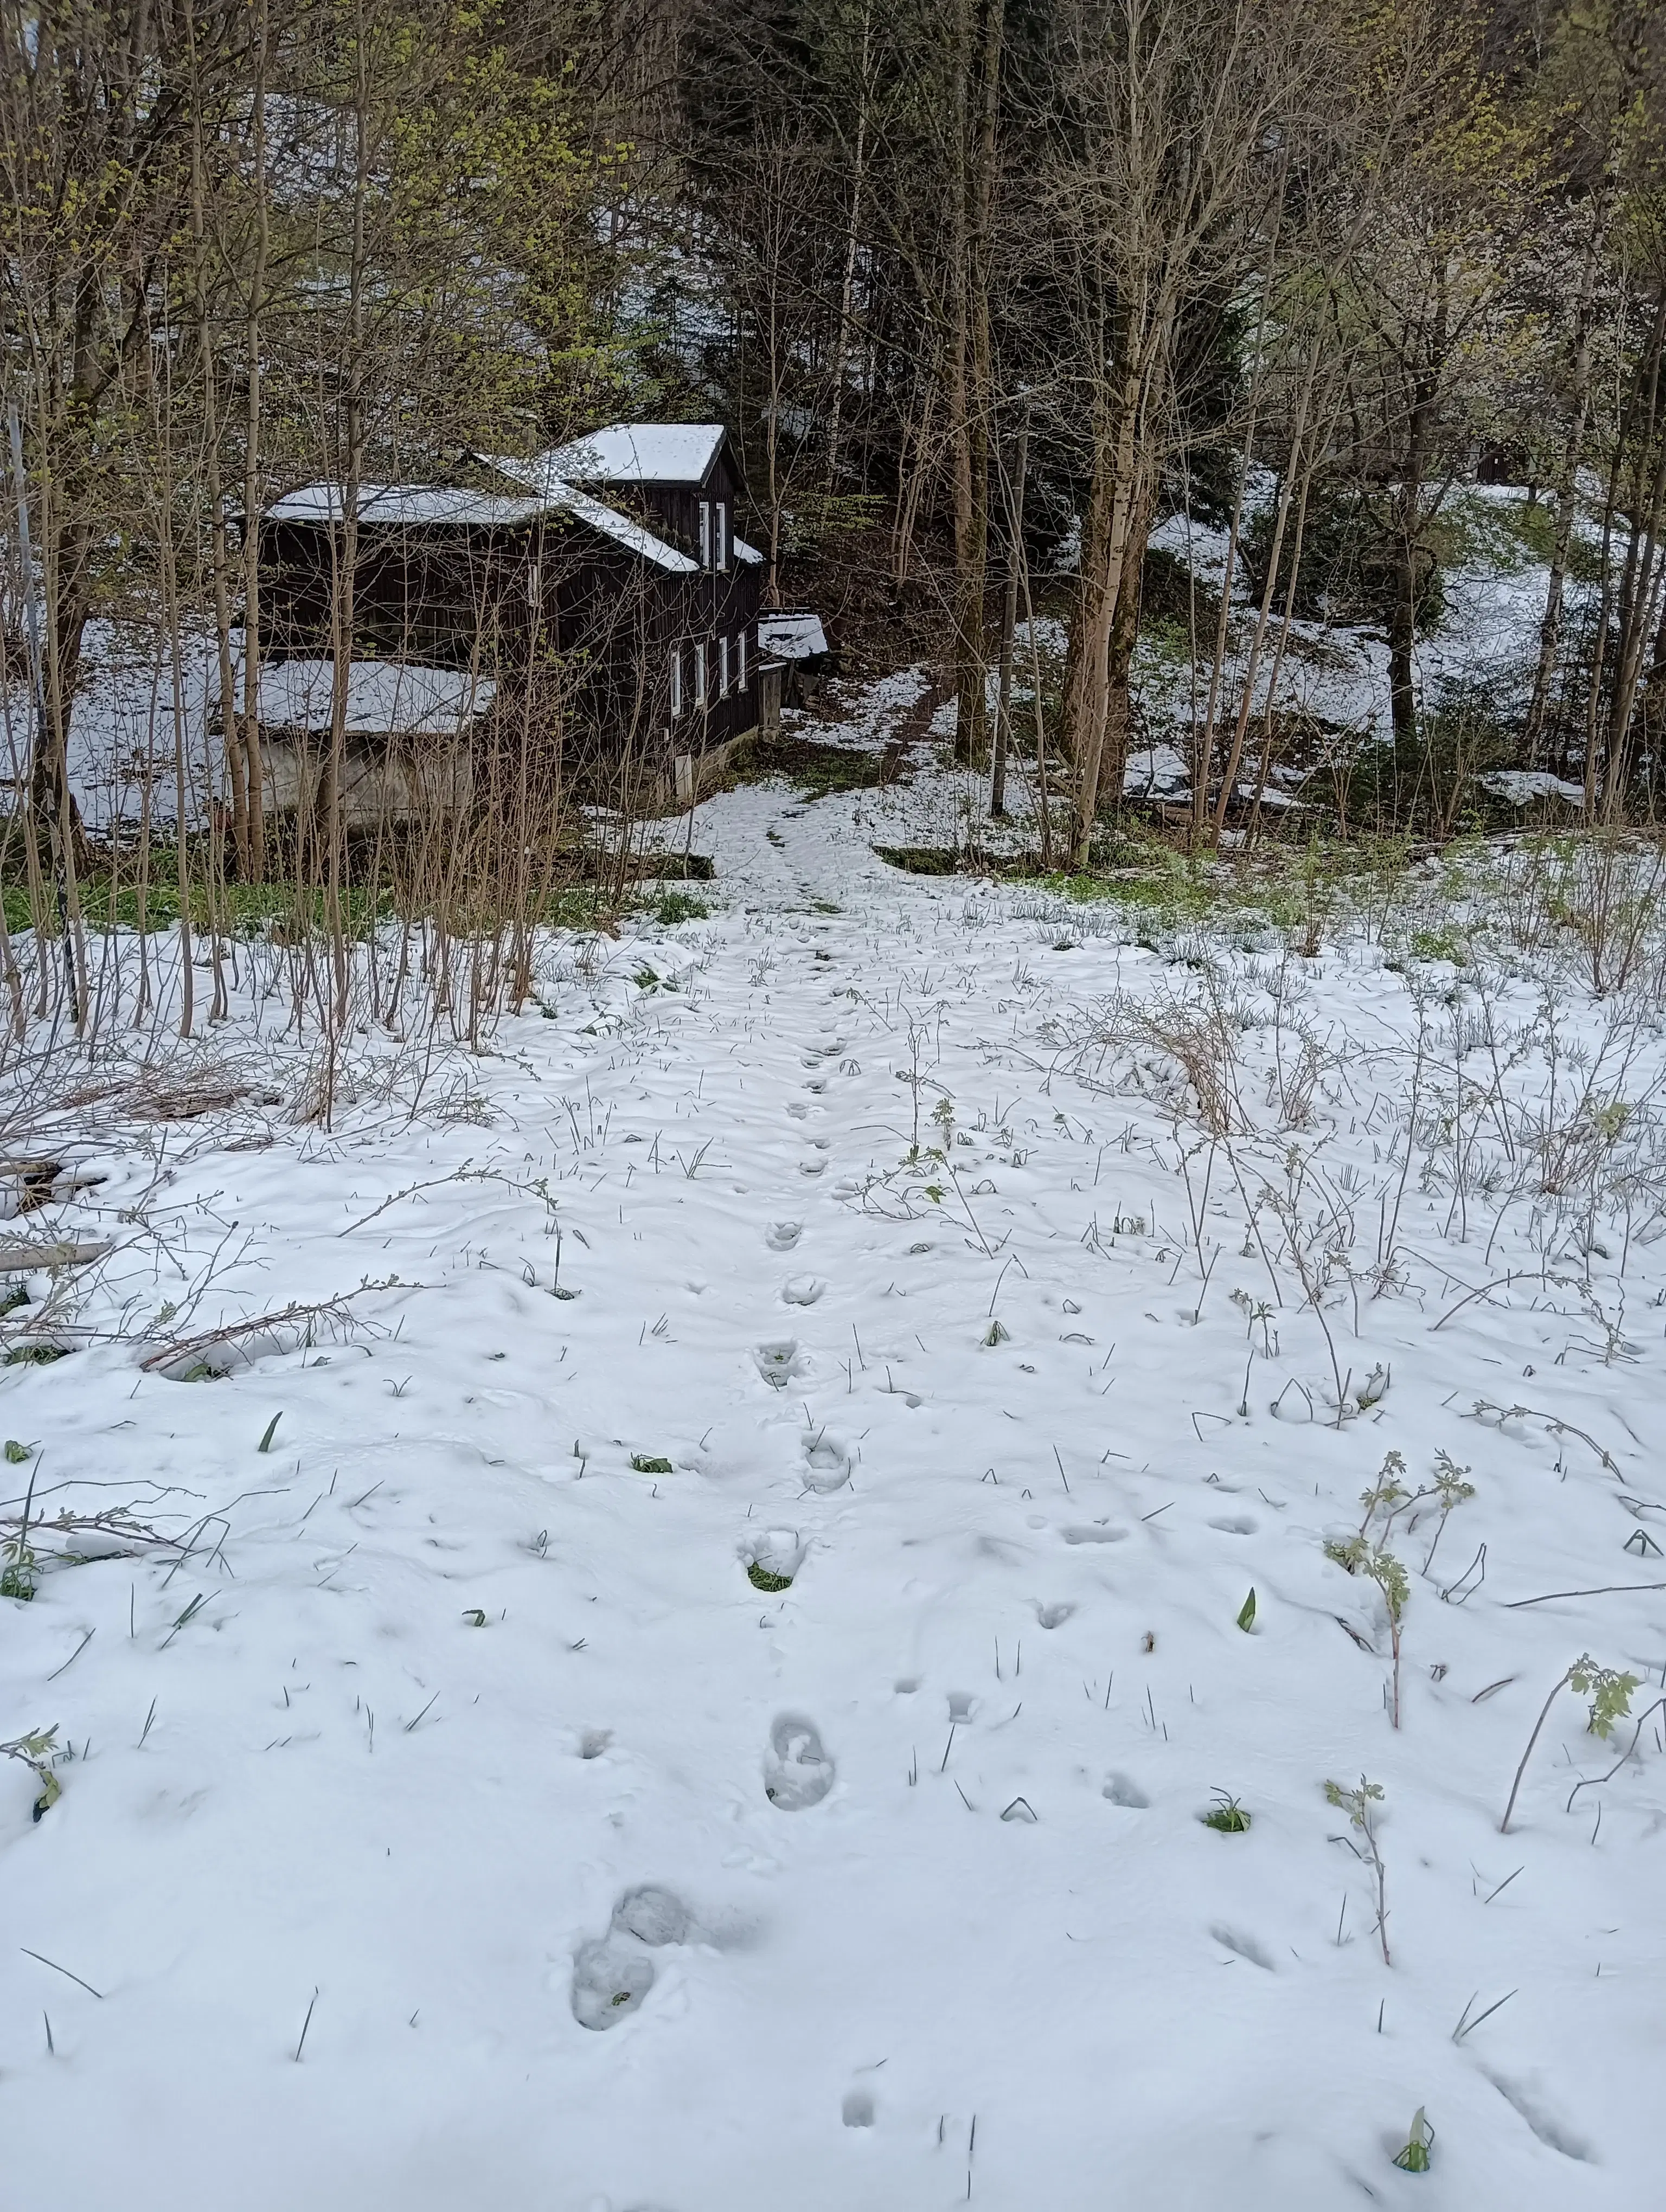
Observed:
{"x":500,"y":600}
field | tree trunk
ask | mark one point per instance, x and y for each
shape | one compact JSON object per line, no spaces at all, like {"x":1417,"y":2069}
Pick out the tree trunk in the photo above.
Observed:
{"x":1105,"y":534}
{"x":970,"y":378}
{"x":1009,"y":617}
{"x":1550,"y":629}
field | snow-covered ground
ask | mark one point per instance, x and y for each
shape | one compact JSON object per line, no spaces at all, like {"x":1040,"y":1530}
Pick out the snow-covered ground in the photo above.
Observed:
{"x":455,"y":1823}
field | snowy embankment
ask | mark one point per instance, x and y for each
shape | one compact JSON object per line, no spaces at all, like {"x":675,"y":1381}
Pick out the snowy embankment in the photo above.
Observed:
{"x":457,"y":1820}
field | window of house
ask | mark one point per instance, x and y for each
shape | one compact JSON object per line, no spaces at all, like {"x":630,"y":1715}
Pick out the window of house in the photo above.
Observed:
{"x":723,"y":667}
{"x":740,"y":655}
{"x":676,"y":681}
{"x":700,"y":674}
{"x":722,"y":534}
{"x":705,"y":533}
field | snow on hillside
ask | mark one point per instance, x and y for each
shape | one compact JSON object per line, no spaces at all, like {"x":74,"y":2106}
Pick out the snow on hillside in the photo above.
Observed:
{"x":459,"y":1818}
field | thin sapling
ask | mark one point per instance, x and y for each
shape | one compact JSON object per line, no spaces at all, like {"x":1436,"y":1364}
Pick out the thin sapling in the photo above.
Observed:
{"x":1376,"y":1563}
{"x":1610,"y":1694}
{"x":1357,"y":1804}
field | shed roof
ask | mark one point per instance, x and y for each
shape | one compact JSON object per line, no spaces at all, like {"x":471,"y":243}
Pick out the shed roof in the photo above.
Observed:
{"x":795,"y":636}
{"x":642,"y":453}
{"x":385,"y":698}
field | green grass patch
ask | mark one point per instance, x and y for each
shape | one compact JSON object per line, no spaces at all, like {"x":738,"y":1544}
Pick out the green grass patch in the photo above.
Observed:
{"x":279,"y":910}
{"x":673,"y":906}
{"x":816,"y":769}
{"x":647,"y":1463}
{"x":761,"y":1579}
{"x":1229,"y":1817}
{"x":921,"y":860}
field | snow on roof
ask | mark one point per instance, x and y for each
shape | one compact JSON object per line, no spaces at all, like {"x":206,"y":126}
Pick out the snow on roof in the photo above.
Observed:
{"x":1519,"y":785}
{"x":541,"y":475}
{"x":795,"y":637}
{"x":384,"y":697}
{"x":412,"y":503}
{"x":546,"y":493}
{"x":642,"y":453}
{"x":743,"y":552}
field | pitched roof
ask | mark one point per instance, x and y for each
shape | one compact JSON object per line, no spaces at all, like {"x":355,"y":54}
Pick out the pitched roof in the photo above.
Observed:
{"x":407,"y":503}
{"x":540,"y":476}
{"x":743,"y":552}
{"x":426,"y":506}
{"x":641,"y":452}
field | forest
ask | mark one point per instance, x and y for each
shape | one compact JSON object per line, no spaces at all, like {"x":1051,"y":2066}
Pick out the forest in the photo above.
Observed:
{"x":832,"y":862}
{"x":1229,"y":325}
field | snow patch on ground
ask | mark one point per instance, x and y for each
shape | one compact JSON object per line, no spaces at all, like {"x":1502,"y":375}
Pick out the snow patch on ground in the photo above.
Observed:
{"x":460,"y":1812}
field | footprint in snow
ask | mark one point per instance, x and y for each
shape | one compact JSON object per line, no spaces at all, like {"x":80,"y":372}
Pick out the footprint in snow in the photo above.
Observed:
{"x":778,"y":1362}
{"x":1054,"y":1616}
{"x":857,"y":2111}
{"x":610,"y":1978}
{"x":654,"y":1916}
{"x":776,"y":1554}
{"x":1098,"y":1534}
{"x":1245,"y":1947}
{"x":1239,"y":1525}
{"x":827,"y":1463}
{"x":612,"y":1975}
{"x":783,"y":1235}
{"x":1120,"y":1791}
{"x":802,"y":1290}
{"x":796,"y":1770}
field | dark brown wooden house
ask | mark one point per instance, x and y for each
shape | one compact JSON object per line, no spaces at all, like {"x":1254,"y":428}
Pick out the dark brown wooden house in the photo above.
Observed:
{"x":606,"y":575}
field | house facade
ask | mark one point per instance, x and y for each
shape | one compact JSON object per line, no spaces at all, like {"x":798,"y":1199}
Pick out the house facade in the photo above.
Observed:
{"x":602,"y":586}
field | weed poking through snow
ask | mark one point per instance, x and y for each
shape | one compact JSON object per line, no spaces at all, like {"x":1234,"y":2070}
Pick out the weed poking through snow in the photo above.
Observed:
{"x":1610,"y":1694}
{"x":1228,"y":1817}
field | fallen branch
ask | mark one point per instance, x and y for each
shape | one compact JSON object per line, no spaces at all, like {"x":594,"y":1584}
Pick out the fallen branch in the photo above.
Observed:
{"x":295,"y":1315}
{"x":1603,"y":1589}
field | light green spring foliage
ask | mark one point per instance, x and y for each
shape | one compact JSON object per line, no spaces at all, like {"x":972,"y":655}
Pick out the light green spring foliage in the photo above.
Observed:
{"x":1610,"y":1692}
{"x":1419,"y":2140}
{"x":17,"y":1576}
{"x":17,"y":1454}
{"x":1388,"y":1494}
{"x":1356,"y":1803}
{"x":1247,"y":1614}
{"x":1376,"y":1563}
{"x":38,"y":1751}
{"x":1450,"y":1486}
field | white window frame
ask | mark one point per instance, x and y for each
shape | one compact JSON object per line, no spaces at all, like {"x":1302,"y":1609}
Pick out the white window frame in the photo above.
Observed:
{"x":740,"y":655}
{"x":723,"y":667}
{"x":700,"y":672}
{"x":705,"y":533}
{"x":721,"y":534}
{"x":676,"y":681}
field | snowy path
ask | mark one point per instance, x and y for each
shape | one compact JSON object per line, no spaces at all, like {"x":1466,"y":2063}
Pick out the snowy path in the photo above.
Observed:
{"x":659,"y":1891}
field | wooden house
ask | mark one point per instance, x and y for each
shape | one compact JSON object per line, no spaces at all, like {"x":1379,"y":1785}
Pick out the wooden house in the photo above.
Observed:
{"x":635,"y":612}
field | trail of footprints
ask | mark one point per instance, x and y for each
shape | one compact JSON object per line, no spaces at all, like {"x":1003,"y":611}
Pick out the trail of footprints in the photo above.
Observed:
{"x":613,"y":1974}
